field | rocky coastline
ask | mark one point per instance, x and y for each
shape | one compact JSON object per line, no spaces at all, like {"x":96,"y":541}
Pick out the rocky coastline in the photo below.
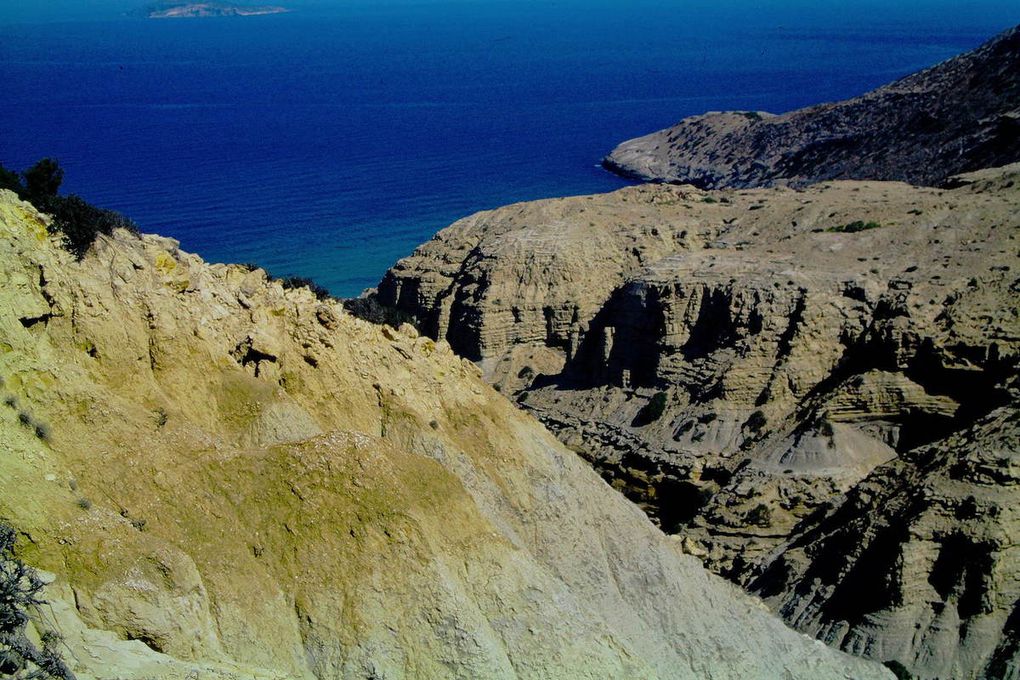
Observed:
{"x":958,"y":116}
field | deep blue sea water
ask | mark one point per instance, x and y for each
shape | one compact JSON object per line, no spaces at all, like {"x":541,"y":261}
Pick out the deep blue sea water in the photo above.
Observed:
{"x":330,"y":141}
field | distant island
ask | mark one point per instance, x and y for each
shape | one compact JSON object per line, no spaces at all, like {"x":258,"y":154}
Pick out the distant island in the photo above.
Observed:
{"x":187,"y":10}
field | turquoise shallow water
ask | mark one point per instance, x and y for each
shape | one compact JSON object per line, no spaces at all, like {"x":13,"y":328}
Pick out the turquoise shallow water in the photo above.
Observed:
{"x":330,"y":141}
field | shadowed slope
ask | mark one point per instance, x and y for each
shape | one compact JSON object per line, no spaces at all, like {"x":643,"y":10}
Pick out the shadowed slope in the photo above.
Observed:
{"x":958,"y":116}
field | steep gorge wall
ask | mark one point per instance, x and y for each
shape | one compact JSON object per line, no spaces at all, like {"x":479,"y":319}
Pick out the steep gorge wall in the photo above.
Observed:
{"x":745,"y":358}
{"x":227,"y":478}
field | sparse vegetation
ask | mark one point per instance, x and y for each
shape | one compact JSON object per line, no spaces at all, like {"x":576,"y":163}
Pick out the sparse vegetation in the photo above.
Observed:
{"x":42,"y":431}
{"x":75,"y":219}
{"x":84,"y":504}
{"x":854,"y":227}
{"x":43,"y":179}
{"x":651,"y":411}
{"x":80,"y":222}
{"x":20,"y":587}
{"x":760,"y":515}
{"x":294,"y":282}
{"x":10,"y":180}
{"x":369,"y":309}
{"x":756,"y":421}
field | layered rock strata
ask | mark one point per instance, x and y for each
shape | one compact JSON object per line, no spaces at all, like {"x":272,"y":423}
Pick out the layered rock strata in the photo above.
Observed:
{"x":228,"y":479}
{"x":737,"y":362}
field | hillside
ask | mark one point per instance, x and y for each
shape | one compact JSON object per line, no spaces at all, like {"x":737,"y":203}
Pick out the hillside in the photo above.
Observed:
{"x":958,"y":116}
{"x":228,"y":479}
{"x":815,"y":389}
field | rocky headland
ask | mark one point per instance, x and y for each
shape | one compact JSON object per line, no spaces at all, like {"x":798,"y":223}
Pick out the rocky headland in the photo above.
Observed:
{"x":815,"y":390}
{"x":222,"y":477}
{"x":958,"y":116}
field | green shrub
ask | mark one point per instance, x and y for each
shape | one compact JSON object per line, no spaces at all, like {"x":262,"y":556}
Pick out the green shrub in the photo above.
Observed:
{"x":651,"y":411}
{"x":11,"y":181}
{"x":76,"y":220}
{"x":370,"y":309}
{"x":292,"y":282}
{"x":42,"y":431}
{"x":854,"y":227}
{"x":42,"y":180}
{"x":19,"y":590}
{"x":756,"y":421}
{"x":760,"y":516}
{"x":80,"y":222}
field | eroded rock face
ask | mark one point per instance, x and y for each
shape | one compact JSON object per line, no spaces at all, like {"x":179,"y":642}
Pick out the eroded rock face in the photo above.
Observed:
{"x":230,"y":479}
{"x":919,"y":560}
{"x":958,"y":116}
{"x":737,"y":361}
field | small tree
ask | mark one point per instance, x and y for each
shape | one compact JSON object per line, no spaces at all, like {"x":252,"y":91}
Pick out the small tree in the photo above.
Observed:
{"x":11,"y":181}
{"x":76,"y":220}
{"x":80,"y":222}
{"x":19,"y":590}
{"x":43,"y":180}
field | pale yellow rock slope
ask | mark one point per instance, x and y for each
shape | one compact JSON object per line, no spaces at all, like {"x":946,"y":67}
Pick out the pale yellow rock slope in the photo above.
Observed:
{"x":234,"y":480}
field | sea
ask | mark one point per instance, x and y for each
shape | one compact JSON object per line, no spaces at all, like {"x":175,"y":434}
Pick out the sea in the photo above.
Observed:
{"x":329,"y":141}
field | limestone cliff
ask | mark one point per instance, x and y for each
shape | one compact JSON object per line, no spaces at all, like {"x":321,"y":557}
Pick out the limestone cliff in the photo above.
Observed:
{"x":958,"y":116}
{"x":229,"y":479}
{"x":739,"y":361}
